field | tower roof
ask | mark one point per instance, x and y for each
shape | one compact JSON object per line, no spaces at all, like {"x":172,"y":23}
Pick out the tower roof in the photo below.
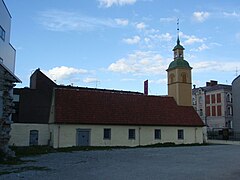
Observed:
{"x":179,"y":63}
{"x":178,"y":46}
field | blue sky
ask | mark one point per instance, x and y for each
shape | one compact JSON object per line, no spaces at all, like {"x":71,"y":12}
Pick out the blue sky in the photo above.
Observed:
{"x":117,"y":44}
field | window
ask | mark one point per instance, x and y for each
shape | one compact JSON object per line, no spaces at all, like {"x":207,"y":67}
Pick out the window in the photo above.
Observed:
{"x":33,"y":139}
{"x":172,"y":77}
{"x":157,"y":134}
{"x":219,"y":110}
{"x":213,"y":98}
{"x":2,"y":33}
{"x":184,"y":77}
{"x":229,"y":110}
{"x":200,"y":99}
{"x":107,"y":134}
{"x":131,"y":134}
{"x":229,"y":97}
{"x":213,"y":111}
{"x":180,"y":134}
{"x":218,"y":98}
{"x":207,"y":99}
{"x":201,"y":112}
{"x":193,"y":100}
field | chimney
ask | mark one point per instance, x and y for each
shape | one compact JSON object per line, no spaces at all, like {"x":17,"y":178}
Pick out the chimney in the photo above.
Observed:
{"x":211,"y":83}
{"x":146,"y":87}
{"x":194,"y":86}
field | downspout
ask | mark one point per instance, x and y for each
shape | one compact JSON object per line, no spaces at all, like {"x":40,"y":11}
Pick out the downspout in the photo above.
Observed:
{"x":195,"y":135}
{"x":139,"y":134}
{"x":58,"y":135}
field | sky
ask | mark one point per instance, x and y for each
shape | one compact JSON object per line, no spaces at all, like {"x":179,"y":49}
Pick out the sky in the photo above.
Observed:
{"x":118,"y":44}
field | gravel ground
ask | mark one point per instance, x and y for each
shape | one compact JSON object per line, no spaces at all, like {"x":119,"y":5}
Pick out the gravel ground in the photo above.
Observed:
{"x":196,"y":162}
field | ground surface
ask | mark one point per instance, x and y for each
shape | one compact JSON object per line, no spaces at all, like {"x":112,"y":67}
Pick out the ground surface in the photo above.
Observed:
{"x":197,"y":162}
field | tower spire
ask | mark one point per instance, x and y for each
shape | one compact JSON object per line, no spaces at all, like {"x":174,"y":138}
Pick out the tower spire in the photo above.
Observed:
{"x":178,"y":40}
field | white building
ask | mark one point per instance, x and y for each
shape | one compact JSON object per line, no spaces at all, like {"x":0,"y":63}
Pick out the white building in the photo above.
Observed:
{"x":236,"y":105}
{"x":75,"y":116}
{"x":7,"y":78}
{"x":213,"y":103}
{"x":7,"y":51}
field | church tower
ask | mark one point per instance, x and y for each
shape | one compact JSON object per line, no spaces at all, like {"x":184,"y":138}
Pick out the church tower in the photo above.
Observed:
{"x":179,"y":77}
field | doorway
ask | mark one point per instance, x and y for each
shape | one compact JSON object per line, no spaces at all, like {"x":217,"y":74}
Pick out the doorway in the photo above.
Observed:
{"x":83,"y":137}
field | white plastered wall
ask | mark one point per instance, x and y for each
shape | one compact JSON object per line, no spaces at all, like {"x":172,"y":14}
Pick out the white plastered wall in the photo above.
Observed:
{"x":20,"y":134}
{"x":65,"y":135}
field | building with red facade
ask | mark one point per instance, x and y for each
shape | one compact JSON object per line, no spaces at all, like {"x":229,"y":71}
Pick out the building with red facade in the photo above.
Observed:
{"x":213,"y":103}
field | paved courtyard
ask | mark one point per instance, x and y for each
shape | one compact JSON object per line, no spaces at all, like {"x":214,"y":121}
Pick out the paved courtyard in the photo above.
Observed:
{"x":197,"y":162}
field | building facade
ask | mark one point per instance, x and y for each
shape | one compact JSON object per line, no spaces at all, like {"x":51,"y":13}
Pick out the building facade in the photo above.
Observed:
{"x":7,"y":51}
{"x":7,"y":80}
{"x":214,"y":105}
{"x":236,"y":104}
{"x":78,"y":116}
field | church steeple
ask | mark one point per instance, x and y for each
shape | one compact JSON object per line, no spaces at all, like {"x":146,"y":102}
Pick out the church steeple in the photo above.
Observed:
{"x":179,"y":77}
{"x":178,"y":50}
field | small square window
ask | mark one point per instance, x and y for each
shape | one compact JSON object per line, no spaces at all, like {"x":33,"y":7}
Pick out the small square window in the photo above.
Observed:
{"x":131,"y":134}
{"x":107,"y":134}
{"x":180,"y":134}
{"x":2,"y":33}
{"x":157,"y":134}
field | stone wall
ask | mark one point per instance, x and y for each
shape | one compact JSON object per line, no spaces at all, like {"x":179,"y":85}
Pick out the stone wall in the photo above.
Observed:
{"x":6,"y":105}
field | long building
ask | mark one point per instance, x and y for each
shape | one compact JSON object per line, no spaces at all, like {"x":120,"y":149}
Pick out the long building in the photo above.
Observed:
{"x":65,"y":116}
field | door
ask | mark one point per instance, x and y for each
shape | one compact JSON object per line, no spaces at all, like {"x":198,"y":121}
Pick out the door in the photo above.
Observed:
{"x":33,"y":140}
{"x":83,"y":137}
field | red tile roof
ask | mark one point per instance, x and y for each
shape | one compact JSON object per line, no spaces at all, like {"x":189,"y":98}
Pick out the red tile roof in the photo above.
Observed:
{"x":74,"y":106}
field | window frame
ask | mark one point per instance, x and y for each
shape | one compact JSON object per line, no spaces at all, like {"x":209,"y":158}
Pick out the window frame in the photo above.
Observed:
{"x":157,"y":134}
{"x":107,"y":133}
{"x":131,"y":134}
{"x":2,"y":33}
{"x":180,"y":134}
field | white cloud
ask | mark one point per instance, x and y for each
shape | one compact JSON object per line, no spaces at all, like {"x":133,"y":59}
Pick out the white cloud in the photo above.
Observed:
{"x":201,"y":48}
{"x":109,"y":3}
{"x":141,"y":25}
{"x":133,"y":40}
{"x":162,"y":37}
{"x":57,"y":20}
{"x":122,"y":22}
{"x":167,"y":20}
{"x":140,"y":63}
{"x":200,"y":16}
{"x":233,"y":14}
{"x":216,"y":66}
{"x":191,"y":39}
{"x":90,"y":80}
{"x":63,"y":73}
